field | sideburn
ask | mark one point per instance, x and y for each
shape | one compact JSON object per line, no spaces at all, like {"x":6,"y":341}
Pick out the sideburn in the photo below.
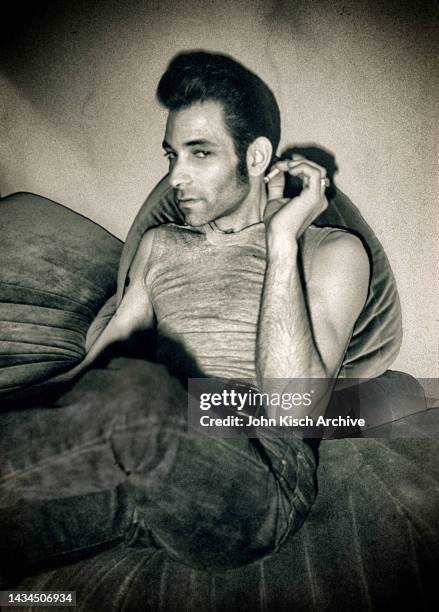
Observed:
{"x":241,"y":170}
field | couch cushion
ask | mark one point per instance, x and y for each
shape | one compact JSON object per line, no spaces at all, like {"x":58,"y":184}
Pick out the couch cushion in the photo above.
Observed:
{"x":58,"y":268}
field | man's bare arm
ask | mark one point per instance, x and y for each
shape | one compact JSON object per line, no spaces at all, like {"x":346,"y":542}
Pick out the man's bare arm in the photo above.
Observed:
{"x":336,"y":293}
{"x":305,"y":336}
{"x":135,"y":311}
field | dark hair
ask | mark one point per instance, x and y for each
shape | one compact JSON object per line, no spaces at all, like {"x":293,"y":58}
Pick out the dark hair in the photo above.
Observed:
{"x":250,"y":108}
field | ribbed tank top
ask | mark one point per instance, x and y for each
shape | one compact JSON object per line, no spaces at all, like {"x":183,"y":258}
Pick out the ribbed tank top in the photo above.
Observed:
{"x":206,"y":286}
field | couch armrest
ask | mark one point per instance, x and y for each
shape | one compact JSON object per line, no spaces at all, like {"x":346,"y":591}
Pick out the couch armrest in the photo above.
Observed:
{"x":58,"y":269}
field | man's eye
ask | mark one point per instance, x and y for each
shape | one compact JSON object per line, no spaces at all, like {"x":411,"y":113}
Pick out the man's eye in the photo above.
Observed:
{"x":201,"y":154}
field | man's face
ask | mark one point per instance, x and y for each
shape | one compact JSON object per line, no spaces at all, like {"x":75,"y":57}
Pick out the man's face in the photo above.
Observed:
{"x":203,"y":163}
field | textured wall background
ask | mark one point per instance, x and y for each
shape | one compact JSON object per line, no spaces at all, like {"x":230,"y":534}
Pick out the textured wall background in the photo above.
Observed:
{"x":79,"y":123}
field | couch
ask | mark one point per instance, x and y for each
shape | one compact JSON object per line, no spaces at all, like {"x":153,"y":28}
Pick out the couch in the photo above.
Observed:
{"x":371,"y":539}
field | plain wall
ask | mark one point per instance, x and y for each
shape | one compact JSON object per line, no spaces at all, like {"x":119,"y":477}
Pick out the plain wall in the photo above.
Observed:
{"x":79,"y":123}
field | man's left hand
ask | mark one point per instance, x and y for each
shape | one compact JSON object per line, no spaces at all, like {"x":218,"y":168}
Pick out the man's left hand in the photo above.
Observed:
{"x":287,"y":219}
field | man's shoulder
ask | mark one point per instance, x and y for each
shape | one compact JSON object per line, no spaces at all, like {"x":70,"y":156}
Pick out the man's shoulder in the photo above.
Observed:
{"x":340,"y":241}
{"x":327,"y":232}
{"x":329,"y":240}
{"x":338,"y":253}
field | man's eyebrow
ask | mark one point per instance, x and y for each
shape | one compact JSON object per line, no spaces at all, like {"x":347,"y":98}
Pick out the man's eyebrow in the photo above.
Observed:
{"x":192,"y":143}
{"x":200,"y":142}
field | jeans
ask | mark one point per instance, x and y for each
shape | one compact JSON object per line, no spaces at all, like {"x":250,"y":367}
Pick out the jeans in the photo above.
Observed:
{"x":111,"y":461}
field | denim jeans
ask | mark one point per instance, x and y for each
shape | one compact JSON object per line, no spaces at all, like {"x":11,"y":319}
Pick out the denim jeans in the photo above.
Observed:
{"x":111,"y":461}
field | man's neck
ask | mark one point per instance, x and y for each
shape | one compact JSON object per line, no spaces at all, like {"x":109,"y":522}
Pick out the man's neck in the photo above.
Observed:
{"x":250,"y":211}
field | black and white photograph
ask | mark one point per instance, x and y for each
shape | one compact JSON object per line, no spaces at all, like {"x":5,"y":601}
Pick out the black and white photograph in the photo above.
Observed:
{"x":219,"y":369}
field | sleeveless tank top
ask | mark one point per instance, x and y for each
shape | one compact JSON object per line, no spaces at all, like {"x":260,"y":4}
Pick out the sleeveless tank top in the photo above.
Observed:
{"x":206,"y":286}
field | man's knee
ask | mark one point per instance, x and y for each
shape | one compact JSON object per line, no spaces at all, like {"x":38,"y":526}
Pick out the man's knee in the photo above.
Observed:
{"x":216,"y":516}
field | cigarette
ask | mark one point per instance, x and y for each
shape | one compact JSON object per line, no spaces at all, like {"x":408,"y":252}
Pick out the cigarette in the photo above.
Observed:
{"x":271,"y":175}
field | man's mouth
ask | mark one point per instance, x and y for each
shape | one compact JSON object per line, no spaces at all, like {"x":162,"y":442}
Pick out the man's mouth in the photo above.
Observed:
{"x":185,"y":202}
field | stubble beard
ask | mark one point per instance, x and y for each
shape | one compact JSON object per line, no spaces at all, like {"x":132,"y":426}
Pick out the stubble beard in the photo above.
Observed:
{"x":242,"y":180}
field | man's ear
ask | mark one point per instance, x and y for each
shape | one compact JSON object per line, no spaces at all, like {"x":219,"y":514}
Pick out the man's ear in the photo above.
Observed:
{"x":259,"y":154}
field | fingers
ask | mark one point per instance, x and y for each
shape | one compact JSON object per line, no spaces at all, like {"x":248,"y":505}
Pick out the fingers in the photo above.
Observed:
{"x":321,"y":169}
{"x":312,"y":175}
{"x":276,"y":185}
{"x":313,"y":180}
{"x":283,"y":165}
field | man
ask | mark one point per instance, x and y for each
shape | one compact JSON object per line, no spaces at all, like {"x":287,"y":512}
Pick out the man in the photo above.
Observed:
{"x":221,"y":136}
{"x":226,"y":289}
{"x":246,"y":289}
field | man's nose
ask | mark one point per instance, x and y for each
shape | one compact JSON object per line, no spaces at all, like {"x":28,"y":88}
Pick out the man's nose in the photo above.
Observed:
{"x":180,"y":175}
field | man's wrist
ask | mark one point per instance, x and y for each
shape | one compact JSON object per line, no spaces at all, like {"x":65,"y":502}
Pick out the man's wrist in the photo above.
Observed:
{"x":281,"y":248}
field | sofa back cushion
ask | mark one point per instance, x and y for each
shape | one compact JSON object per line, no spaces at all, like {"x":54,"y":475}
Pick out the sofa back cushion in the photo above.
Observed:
{"x":57,"y":270}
